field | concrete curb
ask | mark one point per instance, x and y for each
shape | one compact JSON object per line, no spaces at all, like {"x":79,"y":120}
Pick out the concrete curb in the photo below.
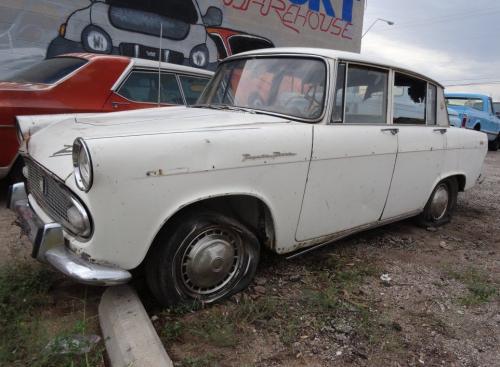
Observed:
{"x":129,"y":335}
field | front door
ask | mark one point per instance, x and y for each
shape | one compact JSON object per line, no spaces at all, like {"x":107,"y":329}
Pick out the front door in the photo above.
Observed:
{"x":353,"y":157}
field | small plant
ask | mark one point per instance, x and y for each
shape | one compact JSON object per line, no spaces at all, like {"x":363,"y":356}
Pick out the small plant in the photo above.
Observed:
{"x":216,"y":328}
{"x":207,"y":360}
{"x":172,"y":331}
{"x":480,"y":288}
{"x":25,"y":339}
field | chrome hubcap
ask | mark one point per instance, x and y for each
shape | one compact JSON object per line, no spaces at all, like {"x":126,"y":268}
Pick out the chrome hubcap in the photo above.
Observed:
{"x":210,"y":261}
{"x":439,"y":202}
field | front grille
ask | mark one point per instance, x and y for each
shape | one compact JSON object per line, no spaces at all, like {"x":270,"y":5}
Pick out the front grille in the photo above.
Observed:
{"x":51,"y":195}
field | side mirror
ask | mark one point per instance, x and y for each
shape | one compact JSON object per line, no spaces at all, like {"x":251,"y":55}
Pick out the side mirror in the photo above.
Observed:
{"x":497,"y":114}
{"x":213,"y":17}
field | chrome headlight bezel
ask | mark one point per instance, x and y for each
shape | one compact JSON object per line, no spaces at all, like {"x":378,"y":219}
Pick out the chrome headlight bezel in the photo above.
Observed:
{"x":81,"y":155}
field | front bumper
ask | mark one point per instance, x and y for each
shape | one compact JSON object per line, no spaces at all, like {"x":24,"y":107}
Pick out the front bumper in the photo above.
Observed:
{"x":49,"y":245}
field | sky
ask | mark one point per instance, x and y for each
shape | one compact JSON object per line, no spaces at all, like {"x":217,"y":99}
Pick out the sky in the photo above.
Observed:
{"x":453,"y":41}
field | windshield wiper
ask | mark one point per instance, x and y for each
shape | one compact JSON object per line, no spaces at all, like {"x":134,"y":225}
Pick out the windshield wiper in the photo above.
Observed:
{"x":224,"y":107}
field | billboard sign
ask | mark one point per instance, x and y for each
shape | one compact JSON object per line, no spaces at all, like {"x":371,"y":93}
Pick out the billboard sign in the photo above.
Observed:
{"x":191,"y":32}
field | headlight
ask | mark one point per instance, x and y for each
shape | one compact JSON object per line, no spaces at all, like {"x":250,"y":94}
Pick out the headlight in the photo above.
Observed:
{"x":82,"y":164}
{"x":78,"y":219}
{"x":199,"y":56}
{"x":95,"y":39}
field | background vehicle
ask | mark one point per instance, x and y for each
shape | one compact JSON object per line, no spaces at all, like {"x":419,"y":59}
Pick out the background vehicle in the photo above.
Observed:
{"x":230,"y":42}
{"x":454,"y":118}
{"x":90,"y":83}
{"x":476,"y":112}
{"x":496,"y":107}
{"x":133,"y":28}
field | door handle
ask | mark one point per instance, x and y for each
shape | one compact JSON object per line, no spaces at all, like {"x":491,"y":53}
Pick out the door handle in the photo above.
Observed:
{"x":116,"y":104}
{"x":392,"y":130}
{"x":442,"y":131}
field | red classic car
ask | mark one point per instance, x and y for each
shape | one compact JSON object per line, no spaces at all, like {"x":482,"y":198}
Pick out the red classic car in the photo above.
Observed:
{"x":78,"y":83}
{"x":230,"y":42}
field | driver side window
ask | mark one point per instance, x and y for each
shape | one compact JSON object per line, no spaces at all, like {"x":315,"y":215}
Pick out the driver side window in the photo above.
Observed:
{"x":362,"y":97}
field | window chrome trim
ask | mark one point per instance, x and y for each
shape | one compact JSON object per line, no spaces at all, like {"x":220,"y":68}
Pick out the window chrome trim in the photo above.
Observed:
{"x":163,"y":72}
{"x":389,"y":92}
{"x":414,"y":76}
{"x":326,"y":97}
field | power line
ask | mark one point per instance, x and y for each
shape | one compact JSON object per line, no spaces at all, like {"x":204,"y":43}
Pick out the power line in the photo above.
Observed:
{"x":443,"y":19}
{"x":494,"y":82}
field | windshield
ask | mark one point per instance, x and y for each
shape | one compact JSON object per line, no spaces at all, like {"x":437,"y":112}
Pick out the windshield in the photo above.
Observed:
{"x":475,"y":103}
{"x":48,"y":71}
{"x":284,"y":85}
{"x":182,"y":10}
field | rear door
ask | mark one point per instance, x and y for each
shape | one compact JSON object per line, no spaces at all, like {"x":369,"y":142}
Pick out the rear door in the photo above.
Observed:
{"x":421,"y":145}
{"x":353,"y":157}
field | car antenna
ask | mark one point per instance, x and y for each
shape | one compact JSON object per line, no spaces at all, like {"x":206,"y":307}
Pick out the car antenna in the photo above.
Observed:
{"x":159,"y":65}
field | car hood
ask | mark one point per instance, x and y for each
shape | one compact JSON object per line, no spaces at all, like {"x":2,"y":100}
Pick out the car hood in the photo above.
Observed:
{"x":51,"y":146}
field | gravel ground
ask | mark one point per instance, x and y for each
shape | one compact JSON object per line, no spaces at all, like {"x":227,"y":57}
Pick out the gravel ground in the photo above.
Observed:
{"x":439,"y":304}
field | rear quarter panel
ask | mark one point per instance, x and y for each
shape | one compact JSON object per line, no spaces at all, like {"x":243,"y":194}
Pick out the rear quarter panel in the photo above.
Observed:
{"x":465,"y":153}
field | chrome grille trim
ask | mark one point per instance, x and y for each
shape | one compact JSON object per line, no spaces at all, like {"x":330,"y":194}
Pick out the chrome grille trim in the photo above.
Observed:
{"x":50,"y":193}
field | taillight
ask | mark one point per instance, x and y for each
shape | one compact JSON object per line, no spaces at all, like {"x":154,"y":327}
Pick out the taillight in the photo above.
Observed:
{"x":464,"y":120}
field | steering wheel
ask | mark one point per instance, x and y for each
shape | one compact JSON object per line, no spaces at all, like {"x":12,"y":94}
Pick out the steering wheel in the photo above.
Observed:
{"x":255,"y":100}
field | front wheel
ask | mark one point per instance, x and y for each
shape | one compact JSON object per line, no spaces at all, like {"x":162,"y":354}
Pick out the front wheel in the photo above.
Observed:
{"x":207,"y":257}
{"x":440,"y":205}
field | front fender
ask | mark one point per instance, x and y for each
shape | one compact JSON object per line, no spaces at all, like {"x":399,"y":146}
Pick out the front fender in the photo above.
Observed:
{"x":142,"y":181}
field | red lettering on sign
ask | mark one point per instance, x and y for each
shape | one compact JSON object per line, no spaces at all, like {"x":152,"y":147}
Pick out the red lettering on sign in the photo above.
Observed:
{"x":295,"y":17}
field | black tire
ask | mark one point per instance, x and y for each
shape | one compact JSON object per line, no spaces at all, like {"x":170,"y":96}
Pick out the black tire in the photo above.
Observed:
{"x":182,"y":259}
{"x":494,"y":145}
{"x":16,"y":172}
{"x":429,"y":217}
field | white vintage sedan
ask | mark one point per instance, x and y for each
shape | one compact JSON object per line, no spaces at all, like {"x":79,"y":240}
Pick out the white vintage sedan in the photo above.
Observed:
{"x":288,"y":149}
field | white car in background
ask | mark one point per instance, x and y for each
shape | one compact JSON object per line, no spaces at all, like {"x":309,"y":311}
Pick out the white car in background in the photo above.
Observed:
{"x":132,"y":28}
{"x":287,"y":148}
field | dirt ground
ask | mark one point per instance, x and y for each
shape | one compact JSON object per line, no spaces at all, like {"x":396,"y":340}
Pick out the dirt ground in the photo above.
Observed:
{"x":395,"y":296}
{"x":41,"y":311}
{"x":438,"y":306}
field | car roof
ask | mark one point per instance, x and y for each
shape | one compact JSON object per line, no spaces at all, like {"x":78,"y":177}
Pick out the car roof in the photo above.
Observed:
{"x":144,"y":63}
{"x":466,"y":95}
{"x":336,"y":55}
{"x":174,"y":67}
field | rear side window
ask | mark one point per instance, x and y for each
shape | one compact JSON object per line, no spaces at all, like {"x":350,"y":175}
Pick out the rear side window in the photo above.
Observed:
{"x":142,"y":86}
{"x":192,"y":87}
{"x":247,"y":43}
{"x":48,"y":71}
{"x":410,"y":95}
{"x":496,"y":106}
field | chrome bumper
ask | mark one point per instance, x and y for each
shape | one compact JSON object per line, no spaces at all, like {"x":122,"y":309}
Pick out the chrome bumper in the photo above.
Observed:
{"x":49,"y":245}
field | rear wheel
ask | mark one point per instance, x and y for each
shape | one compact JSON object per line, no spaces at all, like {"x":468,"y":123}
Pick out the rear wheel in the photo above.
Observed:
{"x":440,"y":205}
{"x":207,"y":257}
